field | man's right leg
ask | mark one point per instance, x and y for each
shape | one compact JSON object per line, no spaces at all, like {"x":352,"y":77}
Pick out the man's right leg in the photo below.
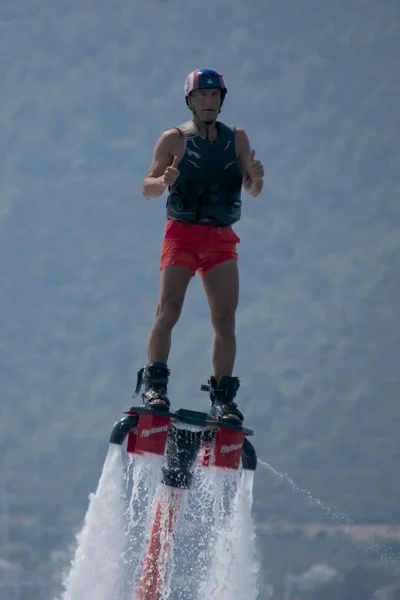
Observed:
{"x":173,"y":285}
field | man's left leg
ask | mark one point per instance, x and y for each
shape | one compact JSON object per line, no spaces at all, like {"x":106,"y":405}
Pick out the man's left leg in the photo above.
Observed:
{"x":221,"y":284}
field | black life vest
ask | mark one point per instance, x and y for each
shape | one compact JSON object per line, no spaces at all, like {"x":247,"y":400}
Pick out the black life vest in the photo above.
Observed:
{"x":208,"y":189}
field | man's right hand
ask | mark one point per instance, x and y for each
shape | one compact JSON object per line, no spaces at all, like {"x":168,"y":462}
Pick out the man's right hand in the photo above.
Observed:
{"x":171,"y":173}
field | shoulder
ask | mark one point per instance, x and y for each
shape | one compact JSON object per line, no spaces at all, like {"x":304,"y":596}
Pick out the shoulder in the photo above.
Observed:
{"x":242,"y":141}
{"x":170,"y":136}
{"x":241,"y":138}
{"x":187,"y":128}
{"x":241,"y":135}
{"x":226,"y":129}
{"x":169,"y":140}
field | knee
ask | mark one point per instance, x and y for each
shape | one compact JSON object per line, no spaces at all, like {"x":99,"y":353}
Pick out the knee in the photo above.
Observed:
{"x":168,"y":312}
{"x":224,"y":323}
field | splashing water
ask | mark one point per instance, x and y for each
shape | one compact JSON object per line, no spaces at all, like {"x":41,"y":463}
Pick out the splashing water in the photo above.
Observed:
{"x":234,"y":568}
{"x":211,"y":555}
{"x":111,"y":544}
{"x":141,"y":477}
{"x":215,"y":549}
{"x":156,"y":579}
{"x":337,"y":517}
{"x":385,"y":552}
{"x":214,"y":552}
{"x":95,"y":569}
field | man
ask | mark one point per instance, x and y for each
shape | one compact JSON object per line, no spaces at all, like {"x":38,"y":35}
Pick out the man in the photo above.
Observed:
{"x":204,"y":164}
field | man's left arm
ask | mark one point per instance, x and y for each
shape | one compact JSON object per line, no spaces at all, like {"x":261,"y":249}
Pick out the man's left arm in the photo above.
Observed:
{"x":253,"y":170}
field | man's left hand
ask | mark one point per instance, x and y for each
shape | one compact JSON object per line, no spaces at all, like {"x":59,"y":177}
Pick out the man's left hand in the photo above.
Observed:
{"x":254,"y":168}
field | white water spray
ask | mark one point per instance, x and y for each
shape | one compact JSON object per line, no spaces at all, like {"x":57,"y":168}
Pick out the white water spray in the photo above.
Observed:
{"x":96,"y":567}
{"x":141,"y":476}
{"x":216,"y":551}
{"x":234,"y":567}
{"x":213,"y":550}
{"x":385,"y":552}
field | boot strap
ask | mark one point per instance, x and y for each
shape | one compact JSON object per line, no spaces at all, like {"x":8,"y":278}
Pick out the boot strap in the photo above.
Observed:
{"x":139,"y":382}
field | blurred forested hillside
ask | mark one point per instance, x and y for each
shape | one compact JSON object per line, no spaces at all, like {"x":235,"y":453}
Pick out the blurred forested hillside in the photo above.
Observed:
{"x":86,"y":89}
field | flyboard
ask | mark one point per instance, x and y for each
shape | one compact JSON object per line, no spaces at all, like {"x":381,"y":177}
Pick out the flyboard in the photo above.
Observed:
{"x":179,"y":437}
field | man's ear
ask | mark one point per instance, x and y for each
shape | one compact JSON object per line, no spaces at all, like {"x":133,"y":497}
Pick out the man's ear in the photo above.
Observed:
{"x":190,"y":105}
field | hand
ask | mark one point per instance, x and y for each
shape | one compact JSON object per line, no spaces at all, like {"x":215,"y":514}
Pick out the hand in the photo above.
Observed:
{"x":255,"y":168}
{"x":171,"y":173}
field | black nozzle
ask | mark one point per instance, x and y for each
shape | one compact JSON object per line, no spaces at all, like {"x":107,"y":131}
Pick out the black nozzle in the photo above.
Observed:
{"x":182,"y":448}
{"x":177,"y":479}
{"x":122,"y":428}
{"x":249,"y":456}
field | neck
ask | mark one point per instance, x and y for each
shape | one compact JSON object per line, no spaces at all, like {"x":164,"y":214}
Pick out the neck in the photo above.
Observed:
{"x":203,"y":127}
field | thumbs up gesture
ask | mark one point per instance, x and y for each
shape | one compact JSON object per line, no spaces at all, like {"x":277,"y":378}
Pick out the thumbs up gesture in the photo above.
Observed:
{"x":171,"y":173}
{"x":254,"y":167}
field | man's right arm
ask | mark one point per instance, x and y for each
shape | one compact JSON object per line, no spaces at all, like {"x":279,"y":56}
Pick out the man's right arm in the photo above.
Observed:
{"x":165,"y":151}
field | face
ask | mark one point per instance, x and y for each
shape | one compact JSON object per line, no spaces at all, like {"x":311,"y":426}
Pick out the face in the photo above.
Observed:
{"x":206,"y":104}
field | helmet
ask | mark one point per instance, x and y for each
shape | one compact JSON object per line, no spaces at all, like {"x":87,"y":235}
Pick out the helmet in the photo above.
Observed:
{"x":202,"y":79}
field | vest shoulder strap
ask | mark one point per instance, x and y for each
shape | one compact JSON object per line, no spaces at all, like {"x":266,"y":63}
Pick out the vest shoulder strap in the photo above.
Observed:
{"x":189,"y":128}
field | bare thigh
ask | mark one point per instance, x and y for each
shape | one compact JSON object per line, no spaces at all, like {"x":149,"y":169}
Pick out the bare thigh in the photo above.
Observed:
{"x":221,"y":285}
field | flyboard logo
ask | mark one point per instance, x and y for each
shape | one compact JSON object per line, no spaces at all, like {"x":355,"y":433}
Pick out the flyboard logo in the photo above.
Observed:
{"x":232,"y":448}
{"x":147,"y":432}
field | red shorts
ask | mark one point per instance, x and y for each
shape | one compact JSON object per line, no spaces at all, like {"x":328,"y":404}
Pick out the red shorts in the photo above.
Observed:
{"x":199,"y":247}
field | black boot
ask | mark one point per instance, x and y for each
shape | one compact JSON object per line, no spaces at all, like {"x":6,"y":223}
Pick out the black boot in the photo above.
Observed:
{"x":155,"y":378}
{"x":222,"y":394}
